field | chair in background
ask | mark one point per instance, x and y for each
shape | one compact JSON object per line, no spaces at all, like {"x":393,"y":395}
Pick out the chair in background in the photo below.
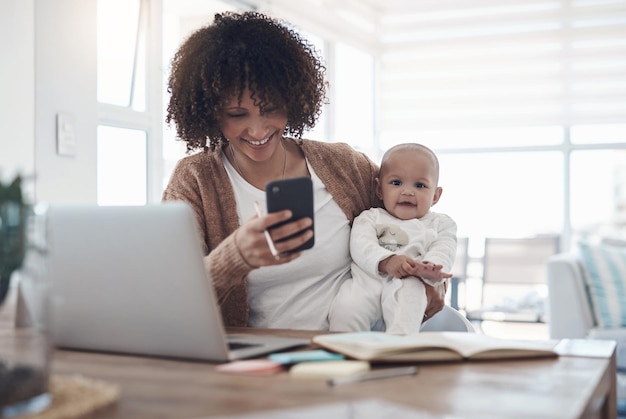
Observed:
{"x":513,"y":270}
{"x":459,"y":270}
{"x":447,"y":320}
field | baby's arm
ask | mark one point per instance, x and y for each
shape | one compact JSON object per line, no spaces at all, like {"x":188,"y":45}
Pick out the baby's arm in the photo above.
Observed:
{"x":398,"y":266}
{"x":401,"y":266}
{"x":365,"y":250}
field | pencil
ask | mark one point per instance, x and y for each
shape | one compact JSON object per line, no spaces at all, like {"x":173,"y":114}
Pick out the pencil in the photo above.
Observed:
{"x":266,"y":233}
{"x":373,"y":375}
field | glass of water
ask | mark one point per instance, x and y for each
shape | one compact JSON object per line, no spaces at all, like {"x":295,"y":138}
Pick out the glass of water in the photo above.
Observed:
{"x":25,"y":348}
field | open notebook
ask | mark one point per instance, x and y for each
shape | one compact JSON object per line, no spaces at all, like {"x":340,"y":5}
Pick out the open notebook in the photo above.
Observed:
{"x":132,"y":280}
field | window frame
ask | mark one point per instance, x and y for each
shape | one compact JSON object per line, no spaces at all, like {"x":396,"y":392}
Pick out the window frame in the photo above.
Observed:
{"x":150,"y":119}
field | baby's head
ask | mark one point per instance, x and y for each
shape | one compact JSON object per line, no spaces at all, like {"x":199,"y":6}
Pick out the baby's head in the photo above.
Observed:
{"x":408,"y":180}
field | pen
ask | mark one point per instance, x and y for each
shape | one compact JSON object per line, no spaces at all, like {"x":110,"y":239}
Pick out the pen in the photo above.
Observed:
{"x":373,"y":375}
{"x":268,"y":238}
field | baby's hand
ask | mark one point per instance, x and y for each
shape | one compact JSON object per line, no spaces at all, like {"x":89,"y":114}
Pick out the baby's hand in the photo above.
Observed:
{"x":397,"y":266}
{"x":429,"y":271}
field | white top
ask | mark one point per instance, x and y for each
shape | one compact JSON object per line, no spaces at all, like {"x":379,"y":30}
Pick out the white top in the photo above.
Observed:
{"x":376,"y":235}
{"x":297,"y":295}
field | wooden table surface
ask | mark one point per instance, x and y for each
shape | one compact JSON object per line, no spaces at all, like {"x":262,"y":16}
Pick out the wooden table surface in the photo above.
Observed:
{"x":580,"y":383}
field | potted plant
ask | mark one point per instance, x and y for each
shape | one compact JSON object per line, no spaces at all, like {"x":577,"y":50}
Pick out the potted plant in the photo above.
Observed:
{"x":13,"y":213}
{"x":23,"y":384}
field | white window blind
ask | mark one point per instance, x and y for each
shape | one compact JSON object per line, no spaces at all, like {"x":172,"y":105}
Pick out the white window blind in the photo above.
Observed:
{"x":493,"y":64}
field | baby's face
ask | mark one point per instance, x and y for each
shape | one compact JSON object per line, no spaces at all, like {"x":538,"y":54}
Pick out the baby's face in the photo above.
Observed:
{"x":408,"y":184}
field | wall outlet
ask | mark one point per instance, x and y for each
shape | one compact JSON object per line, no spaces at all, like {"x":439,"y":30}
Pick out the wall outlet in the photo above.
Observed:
{"x":66,"y":135}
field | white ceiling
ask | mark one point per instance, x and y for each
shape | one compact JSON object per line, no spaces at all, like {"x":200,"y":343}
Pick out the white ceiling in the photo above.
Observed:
{"x":373,"y":7}
{"x":360,"y":22}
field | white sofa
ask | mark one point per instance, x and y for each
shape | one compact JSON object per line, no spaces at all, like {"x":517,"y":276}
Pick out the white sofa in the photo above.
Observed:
{"x":570,"y":313}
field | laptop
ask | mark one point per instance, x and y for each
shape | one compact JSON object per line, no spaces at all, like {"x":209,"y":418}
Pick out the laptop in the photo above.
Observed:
{"x":131,"y":280}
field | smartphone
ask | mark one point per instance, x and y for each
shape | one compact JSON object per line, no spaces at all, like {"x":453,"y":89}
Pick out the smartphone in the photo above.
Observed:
{"x":295,"y":194}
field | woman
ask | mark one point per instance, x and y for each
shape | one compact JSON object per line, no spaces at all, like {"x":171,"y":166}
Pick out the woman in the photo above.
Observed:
{"x":238,"y":88}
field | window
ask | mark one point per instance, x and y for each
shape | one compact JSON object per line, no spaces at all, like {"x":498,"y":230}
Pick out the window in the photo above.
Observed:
{"x":121,"y":53}
{"x":321,"y":129}
{"x":598,"y":190}
{"x":486,"y":137}
{"x":525,"y":103}
{"x":353,"y":97}
{"x":129,"y":128}
{"x":122,"y":168}
{"x":599,"y":134}
{"x":502,"y":194}
{"x":180,"y":19}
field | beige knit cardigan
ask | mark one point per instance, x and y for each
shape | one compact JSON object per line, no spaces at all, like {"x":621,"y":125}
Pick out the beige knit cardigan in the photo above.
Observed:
{"x":202,"y":182}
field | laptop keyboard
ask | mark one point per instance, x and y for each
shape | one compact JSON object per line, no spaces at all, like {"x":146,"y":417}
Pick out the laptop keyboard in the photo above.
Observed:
{"x":240,"y":345}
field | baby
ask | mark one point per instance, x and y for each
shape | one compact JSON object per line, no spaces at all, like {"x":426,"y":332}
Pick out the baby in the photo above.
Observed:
{"x":398,"y":250}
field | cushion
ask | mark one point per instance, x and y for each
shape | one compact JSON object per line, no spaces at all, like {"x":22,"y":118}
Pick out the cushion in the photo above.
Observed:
{"x":617,"y":334}
{"x":604,"y":270}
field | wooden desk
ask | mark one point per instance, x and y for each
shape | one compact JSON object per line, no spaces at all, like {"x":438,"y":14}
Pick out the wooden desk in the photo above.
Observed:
{"x":572,"y":386}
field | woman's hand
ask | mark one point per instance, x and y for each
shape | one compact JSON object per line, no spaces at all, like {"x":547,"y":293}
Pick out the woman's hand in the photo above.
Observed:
{"x":435,"y":295}
{"x":252,"y":243}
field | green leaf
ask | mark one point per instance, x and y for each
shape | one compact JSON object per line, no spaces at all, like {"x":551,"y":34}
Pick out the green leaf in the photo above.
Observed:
{"x":12,"y":192}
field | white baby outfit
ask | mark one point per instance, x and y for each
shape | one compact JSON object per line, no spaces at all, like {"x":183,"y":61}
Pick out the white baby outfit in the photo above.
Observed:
{"x":370,"y":297}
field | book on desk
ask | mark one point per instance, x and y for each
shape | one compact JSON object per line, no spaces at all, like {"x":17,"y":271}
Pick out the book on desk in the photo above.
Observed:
{"x":432,"y":347}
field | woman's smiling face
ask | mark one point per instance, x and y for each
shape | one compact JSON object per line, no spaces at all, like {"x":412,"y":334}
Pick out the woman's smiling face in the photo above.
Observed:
{"x":251,"y":132}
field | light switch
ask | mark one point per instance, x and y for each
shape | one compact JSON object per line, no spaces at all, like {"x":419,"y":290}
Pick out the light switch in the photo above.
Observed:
{"x":66,"y":136}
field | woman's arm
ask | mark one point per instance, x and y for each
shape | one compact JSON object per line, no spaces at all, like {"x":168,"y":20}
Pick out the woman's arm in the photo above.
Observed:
{"x":201,"y":181}
{"x":435,"y":294}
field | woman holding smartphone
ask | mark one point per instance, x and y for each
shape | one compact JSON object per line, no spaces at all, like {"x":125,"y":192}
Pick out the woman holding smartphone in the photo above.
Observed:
{"x":243,"y":91}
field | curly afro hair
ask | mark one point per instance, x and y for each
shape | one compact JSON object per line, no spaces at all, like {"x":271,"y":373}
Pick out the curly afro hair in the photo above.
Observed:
{"x":239,"y":51}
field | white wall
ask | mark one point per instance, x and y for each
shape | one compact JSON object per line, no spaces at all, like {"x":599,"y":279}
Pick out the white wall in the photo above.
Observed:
{"x":65,"y":81}
{"x":48,"y":66}
{"x":17,"y":88}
